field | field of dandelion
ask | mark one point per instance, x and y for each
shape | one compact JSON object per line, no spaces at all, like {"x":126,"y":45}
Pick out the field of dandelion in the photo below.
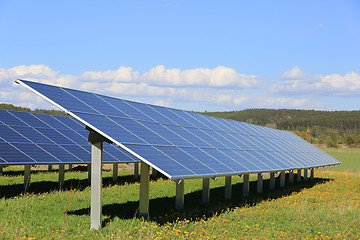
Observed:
{"x":326,"y":208}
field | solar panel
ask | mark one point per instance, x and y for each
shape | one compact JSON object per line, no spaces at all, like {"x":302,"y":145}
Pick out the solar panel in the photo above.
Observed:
{"x":183,"y":144}
{"x":32,"y":138}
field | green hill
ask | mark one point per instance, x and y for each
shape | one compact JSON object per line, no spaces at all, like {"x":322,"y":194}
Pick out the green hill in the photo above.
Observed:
{"x":324,"y":127}
{"x":24,"y":109}
{"x":343,"y":121}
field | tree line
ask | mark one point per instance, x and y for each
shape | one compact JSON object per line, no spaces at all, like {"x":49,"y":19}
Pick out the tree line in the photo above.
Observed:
{"x":330,"y":128}
{"x":25,"y":109}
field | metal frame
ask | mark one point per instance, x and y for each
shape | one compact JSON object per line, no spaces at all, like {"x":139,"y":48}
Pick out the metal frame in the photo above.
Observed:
{"x":246,"y":185}
{"x":282,"y":179}
{"x":228,"y":187}
{"x":61,"y":175}
{"x":144,"y":190}
{"x":272,"y":181}
{"x":206,"y":190}
{"x":299,"y":175}
{"x":96,"y":184}
{"x":312,"y":174}
{"x":305,"y":174}
{"x":115,"y":172}
{"x":259,"y":183}
{"x":27,"y":177}
{"x":179,"y":202}
{"x":136,"y":170}
{"x":291,"y":177}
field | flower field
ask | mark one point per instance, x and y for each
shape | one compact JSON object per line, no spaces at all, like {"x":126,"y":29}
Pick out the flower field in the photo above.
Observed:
{"x":326,"y":208}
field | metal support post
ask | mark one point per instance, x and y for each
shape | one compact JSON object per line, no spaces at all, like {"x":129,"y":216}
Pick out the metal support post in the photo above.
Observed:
{"x":27,"y":176}
{"x":89,"y":173}
{"x":312,"y":174}
{"x":154,"y":173}
{"x":144,"y":190}
{"x":70,"y":167}
{"x":115,"y":172}
{"x":96,"y":140}
{"x":1,"y":169}
{"x":246,"y":185}
{"x":206,"y":190}
{"x":96,"y":184}
{"x":61,"y":175}
{"x":305,"y":174}
{"x":299,"y":175}
{"x":49,"y":167}
{"x":272,"y":181}
{"x":179,"y":195}
{"x":282,"y":179}
{"x":228,"y":187}
{"x":136,"y":170}
{"x":260,"y":183}
{"x":291,"y":177}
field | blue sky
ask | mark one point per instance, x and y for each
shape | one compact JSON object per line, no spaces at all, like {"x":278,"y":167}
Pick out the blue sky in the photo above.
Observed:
{"x":194,"y":55}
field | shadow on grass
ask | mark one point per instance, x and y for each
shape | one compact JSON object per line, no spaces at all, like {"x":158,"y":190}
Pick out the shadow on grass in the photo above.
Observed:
{"x":162,"y":210}
{"x":10,"y":191}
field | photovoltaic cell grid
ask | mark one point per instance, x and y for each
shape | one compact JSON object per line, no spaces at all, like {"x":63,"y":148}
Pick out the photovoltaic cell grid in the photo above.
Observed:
{"x":183,"y":144}
{"x":32,"y":138}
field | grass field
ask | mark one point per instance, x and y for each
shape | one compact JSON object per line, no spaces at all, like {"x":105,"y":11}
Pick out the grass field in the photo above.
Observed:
{"x":327,"y":208}
{"x":349,"y":158}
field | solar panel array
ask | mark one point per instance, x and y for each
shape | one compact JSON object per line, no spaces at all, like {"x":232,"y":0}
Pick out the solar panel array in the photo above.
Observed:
{"x":32,"y":138}
{"x":183,"y":144}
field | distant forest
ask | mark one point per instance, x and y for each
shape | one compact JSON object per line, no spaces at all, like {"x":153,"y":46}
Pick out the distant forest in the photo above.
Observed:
{"x":324,"y":127}
{"x":24,"y":109}
{"x":329,"y":128}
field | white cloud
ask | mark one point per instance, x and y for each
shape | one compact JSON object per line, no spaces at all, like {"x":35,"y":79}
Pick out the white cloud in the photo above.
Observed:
{"x":295,"y":73}
{"x":220,"y":88}
{"x":161,"y":76}
{"x":198,"y":85}
{"x":216,"y":77}
{"x":162,"y":103}
{"x":299,"y":82}
{"x":122,"y":74}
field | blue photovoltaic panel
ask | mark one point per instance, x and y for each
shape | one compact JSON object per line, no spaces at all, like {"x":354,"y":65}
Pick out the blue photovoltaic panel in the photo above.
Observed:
{"x":32,"y":138}
{"x":183,"y":144}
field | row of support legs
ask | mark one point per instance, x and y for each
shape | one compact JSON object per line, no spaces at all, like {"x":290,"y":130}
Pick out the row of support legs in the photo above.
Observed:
{"x":27,"y":174}
{"x":206,"y":186}
{"x":206,"y":183}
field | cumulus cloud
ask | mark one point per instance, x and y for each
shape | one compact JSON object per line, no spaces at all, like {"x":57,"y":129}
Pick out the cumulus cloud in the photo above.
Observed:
{"x":216,"y":77}
{"x":295,"y":73}
{"x":219,"y":88}
{"x":162,"y":103}
{"x":220,"y":85}
{"x":296,"y":81}
{"x":122,"y":74}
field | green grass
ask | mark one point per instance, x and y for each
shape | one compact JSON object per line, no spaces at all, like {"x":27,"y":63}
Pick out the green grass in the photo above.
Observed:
{"x":349,"y":158}
{"x":327,"y":208}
